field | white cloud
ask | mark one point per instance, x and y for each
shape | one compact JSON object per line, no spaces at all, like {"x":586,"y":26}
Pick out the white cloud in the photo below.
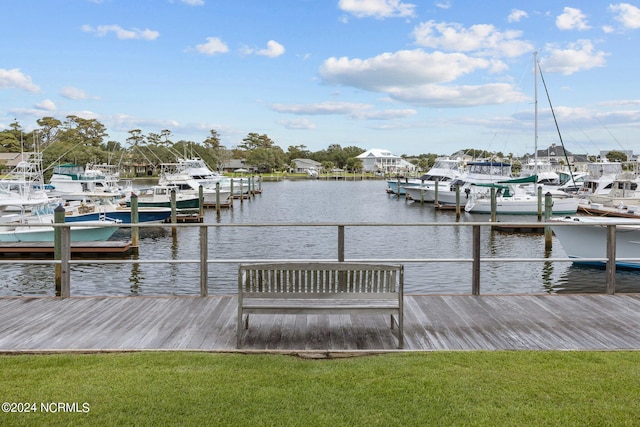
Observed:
{"x":626,"y":14}
{"x":193,"y":2}
{"x":273,"y":50}
{"x":378,"y":9}
{"x":121,"y":33}
{"x":484,"y":39}
{"x":405,"y":68}
{"x":578,"y":56}
{"x":516,"y":15}
{"x":15,"y":79}
{"x":458,"y":95}
{"x":74,"y":93}
{"x":213,"y":46}
{"x":47,"y":105}
{"x":297,"y":124}
{"x":572,"y":19}
{"x":350,"y":109}
{"x":322,"y":108}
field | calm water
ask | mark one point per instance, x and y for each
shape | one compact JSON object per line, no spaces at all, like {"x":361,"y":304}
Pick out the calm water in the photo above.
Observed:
{"x":325,"y":202}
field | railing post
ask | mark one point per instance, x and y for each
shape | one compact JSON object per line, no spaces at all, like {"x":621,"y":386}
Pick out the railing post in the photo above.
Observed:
{"x":65,"y":240}
{"x":201,"y":201}
{"x":58,"y":218}
{"x":204,"y":257}
{"x":475,"y":280}
{"x":341,"y":243}
{"x":611,"y":259}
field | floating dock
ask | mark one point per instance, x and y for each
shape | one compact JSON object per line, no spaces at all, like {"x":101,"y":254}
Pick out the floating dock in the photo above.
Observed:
{"x":78,"y":249}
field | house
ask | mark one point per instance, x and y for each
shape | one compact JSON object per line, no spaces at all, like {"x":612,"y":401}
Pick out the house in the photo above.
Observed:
{"x":235,"y":164}
{"x":305,"y":166}
{"x":8,"y":161}
{"x":379,"y":160}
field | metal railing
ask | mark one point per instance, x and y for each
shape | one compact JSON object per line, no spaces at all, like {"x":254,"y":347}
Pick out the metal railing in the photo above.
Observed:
{"x":63,"y":260}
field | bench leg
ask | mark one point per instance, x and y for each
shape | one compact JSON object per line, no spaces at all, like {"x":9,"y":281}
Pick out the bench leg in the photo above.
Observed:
{"x":392,"y":322}
{"x":246,"y":322}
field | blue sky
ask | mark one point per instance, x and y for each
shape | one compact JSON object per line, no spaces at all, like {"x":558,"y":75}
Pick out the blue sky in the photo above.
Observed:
{"x":409,"y":76}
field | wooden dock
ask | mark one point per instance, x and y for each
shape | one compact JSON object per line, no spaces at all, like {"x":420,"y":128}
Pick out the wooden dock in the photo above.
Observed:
{"x":432,"y":322}
{"x":78,"y":249}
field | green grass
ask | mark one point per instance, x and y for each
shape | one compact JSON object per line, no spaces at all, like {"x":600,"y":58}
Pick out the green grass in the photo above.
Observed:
{"x":437,"y":388}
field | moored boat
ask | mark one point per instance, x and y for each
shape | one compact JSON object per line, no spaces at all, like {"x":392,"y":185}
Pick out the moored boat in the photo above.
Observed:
{"x":590,"y":241}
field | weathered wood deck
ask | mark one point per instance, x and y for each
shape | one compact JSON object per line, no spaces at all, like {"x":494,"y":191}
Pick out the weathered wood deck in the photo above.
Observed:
{"x":433,"y":322}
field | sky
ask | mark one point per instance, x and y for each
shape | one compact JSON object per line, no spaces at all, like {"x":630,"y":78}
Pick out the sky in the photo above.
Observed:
{"x":411,"y":77}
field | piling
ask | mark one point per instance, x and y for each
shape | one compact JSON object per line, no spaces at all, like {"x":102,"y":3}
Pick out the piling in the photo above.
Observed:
{"x":218,"y":198}
{"x":539,"y":203}
{"x":174,"y":214}
{"x":548,"y":233}
{"x":457,"y":203}
{"x":135,"y":230}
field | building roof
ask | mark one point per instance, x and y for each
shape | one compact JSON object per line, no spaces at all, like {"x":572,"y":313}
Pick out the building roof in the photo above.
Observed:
{"x":377,"y":153}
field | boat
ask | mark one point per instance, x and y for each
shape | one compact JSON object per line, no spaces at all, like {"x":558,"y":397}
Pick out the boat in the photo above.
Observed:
{"x":478,"y":172}
{"x":188,"y":181}
{"x":76,"y":182}
{"x":609,"y":185}
{"x":590,"y":241}
{"x":108,"y":207}
{"x":34,"y":226}
{"x":399,"y":185}
{"x":443,"y":172}
{"x":518,"y":197}
{"x":160,"y":196}
{"x":24,"y":186}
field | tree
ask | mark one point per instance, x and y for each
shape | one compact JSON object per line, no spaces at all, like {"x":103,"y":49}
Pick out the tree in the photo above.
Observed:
{"x":616,"y":156}
{"x":253,"y":141}
{"x":49,"y":129}
{"x":266,"y":159}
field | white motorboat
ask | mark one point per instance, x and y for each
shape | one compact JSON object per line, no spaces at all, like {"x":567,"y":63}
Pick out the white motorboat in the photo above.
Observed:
{"x":480,"y":172}
{"x":34,"y":226}
{"x":24,"y":186}
{"x":443,"y":172}
{"x":590,"y":240}
{"x":519,"y":197}
{"x":76,"y":182}
{"x":189,"y":183}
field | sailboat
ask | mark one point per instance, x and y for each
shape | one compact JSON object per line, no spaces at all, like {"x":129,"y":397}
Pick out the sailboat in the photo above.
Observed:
{"x":520,"y":196}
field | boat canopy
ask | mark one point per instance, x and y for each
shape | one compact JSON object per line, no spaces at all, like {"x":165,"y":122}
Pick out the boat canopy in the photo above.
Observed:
{"x":522,"y":180}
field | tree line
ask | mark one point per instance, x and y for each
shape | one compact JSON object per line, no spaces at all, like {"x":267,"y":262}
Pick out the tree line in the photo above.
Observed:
{"x":80,"y":141}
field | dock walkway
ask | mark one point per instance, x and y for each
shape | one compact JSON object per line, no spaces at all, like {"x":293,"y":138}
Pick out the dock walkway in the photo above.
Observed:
{"x":432,"y":322}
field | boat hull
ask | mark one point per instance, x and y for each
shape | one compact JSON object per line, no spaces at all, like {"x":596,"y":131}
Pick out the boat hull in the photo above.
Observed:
{"x":522,"y":206}
{"x":46,"y":234}
{"x":156,"y":215}
{"x":591,"y":241}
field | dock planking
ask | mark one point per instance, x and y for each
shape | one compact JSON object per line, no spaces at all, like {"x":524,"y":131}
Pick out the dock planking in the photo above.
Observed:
{"x":432,"y":322}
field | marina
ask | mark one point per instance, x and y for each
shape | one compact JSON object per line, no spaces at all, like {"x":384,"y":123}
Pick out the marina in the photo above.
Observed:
{"x":437,"y":253}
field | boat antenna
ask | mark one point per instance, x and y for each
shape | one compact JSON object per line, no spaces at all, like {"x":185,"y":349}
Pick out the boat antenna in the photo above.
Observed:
{"x":566,"y":158}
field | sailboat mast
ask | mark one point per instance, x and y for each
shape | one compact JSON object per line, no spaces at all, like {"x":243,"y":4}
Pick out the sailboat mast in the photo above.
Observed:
{"x":535,"y":131}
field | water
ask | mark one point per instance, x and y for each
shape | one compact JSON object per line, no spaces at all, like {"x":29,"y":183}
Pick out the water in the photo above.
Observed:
{"x":320,"y":201}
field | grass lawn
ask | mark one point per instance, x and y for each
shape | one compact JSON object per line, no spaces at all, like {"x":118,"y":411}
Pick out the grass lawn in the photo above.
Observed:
{"x":432,"y":388}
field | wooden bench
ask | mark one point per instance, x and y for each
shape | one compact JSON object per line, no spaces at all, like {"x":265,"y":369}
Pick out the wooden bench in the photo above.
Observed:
{"x":320,"y":288}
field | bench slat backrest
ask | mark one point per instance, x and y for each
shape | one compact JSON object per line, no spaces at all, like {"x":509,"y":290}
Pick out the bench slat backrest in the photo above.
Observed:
{"x":320,"y":278}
